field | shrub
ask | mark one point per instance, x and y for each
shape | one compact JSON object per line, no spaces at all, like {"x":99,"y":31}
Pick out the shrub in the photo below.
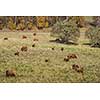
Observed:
{"x":1,"y":23}
{"x":96,"y":20}
{"x":10,"y":23}
{"x":93,"y":33}
{"x":66,"y":31}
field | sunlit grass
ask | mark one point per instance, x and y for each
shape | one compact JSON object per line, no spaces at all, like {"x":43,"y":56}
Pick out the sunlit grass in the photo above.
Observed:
{"x":30,"y":66}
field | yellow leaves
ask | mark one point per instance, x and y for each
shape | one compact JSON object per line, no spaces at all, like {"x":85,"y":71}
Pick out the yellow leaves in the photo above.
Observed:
{"x":42,"y":21}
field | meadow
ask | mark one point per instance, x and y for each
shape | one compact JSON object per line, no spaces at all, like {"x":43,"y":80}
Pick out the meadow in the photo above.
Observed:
{"x":31,"y":67}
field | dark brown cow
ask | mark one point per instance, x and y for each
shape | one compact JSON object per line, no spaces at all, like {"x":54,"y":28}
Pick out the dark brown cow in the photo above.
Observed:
{"x":16,"y":53}
{"x":62,"y":49}
{"x":34,"y":34}
{"x":53,"y":48}
{"x":33,"y":45}
{"x":10,"y":73}
{"x":66,"y":59}
{"x":46,"y":60}
{"x":5,"y":38}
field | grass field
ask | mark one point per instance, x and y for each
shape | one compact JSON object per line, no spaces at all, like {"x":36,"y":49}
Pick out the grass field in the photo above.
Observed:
{"x":31,"y":67}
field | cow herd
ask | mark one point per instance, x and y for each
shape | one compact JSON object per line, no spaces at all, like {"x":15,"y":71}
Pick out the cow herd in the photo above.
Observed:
{"x":76,"y":67}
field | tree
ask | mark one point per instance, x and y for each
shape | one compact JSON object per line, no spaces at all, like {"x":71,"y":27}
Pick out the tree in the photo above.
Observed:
{"x":66,"y":31}
{"x":93,"y":33}
{"x":1,"y":22}
{"x":10,"y":22}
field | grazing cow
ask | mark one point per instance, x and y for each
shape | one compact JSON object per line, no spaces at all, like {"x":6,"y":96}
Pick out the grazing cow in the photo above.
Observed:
{"x":6,"y":38}
{"x":46,"y":60}
{"x":24,"y":37}
{"x":33,"y":45}
{"x":16,"y":53}
{"x":34,"y":34}
{"x":62,"y":49}
{"x":10,"y":73}
{"x":24,"y":48}
{"x":53,"y":48}
{"x":72,"y":56}
{"x":66,"y":59}
{"x":35,"y":39}
{"x":77,"y":68}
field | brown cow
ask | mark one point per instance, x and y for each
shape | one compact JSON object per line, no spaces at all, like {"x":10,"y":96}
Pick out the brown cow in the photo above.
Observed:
{"x":34,"y":34}
{"x":24,"y":48}
{"x":77,"y":68}
{"x":5,"y":38}
{"x":16,"y":53}
{"x":35,"y":39}
{"x":10,"y":73}
{"x":46,"y":60}
{"x":72,"y":56}
{"x":53,"y":48}
{"x":66,"y":59}
{"x":62,"y":49}
{"x":33,"y":45}
{"x":24,"y":37}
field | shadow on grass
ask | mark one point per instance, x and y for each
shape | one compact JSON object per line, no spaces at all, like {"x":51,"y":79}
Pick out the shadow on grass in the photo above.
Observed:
{"x":58,"y":41}
{"x":92,"y":46}
{"x":89,"y":44}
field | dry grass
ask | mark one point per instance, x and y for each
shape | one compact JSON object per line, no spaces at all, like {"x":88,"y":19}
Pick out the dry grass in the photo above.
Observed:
{"x":30,"y":66}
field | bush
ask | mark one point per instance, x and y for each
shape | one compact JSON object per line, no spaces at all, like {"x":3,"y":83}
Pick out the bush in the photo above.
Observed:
{"x":20,"y":23}
{"x":66,"y":31}
{"x":10,"y":23}
{"x":1,"y":23}
{"x":93,"y":33}
{"x":96,"y":21}
{"x":30,"y":26}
